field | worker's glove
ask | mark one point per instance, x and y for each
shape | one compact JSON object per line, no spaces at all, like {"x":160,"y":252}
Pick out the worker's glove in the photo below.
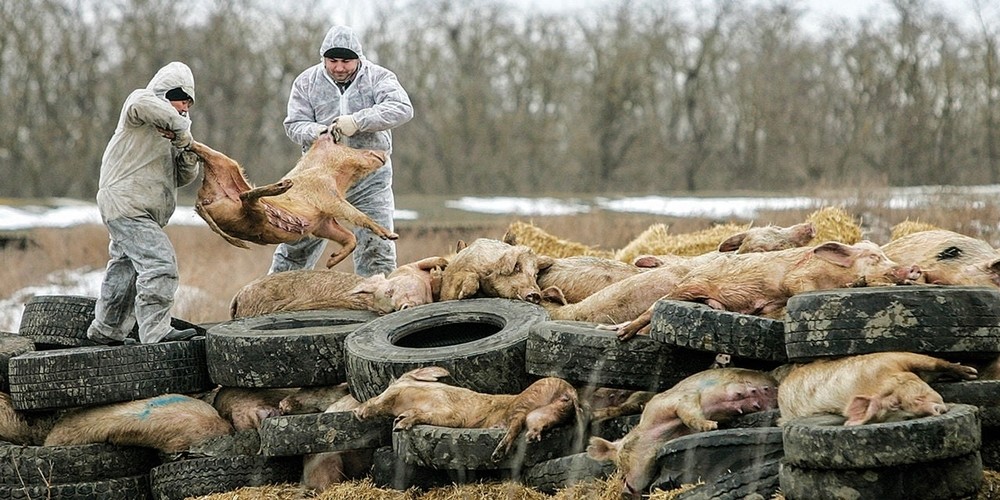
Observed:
{"x":189,"y":157}
{"x":182,"y":140}
{"x":345,"y":124}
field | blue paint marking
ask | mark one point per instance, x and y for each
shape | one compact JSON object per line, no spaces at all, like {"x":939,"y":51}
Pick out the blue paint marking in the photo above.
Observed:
{"x":158,"y":402}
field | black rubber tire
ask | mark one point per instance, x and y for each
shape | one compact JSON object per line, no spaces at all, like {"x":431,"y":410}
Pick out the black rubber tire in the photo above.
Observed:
{"x":390,"y":471}
{"x":706,"y":456}
{"x":940,"y":437}
{"x":958,"y":477}
{"x":244,"y":442}
{"x":59,"y":321}
{"x":11,"y":345}
{"x":289,"y":349}
{"x":990,"y":449}
{"x":984,"y":394}
{"x":40,"y":465}
{"x":937,"y":320}
{"x":122,"y":488}
{"x":758,"y":481}
{"x":579,"y":353}
{"x":204,"y":476}
{"x":481,"y":342}
{"x":81,"y":376}
{"x":562,"y":472}
{"x":318,"y":432}
{"x":614,"y":428}
{"x":766,"y":418}
{"x":471,"y":449}
{"x":699,"y":327}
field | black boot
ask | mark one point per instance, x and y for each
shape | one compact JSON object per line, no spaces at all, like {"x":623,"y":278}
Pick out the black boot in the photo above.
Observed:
{"x":175,"y":334}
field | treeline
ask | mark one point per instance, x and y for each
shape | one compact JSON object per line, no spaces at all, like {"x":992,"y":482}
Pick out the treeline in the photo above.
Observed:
{"x":634,"y":96}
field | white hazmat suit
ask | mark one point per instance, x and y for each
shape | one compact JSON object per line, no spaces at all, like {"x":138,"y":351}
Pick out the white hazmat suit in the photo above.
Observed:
{"x":140,"y":174}
{"x":377,"y":103}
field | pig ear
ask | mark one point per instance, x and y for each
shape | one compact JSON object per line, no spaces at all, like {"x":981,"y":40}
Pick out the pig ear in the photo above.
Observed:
{"x":647,"y":261}
{"x":836,"y":253}
{"x":732,"y":243}
{"x":861,"y":410}
{"x":994,"y":267}
{"x":368,"y":285}
{"x":554,"y":294}
{"x":429,"y":373}
{"x":602,"y":449}
{"x":432,"y":262}
{"x":545,"y":262}
{"x":459,"y":285}
{"x":509,"y":238}
{"x":461,"y":245}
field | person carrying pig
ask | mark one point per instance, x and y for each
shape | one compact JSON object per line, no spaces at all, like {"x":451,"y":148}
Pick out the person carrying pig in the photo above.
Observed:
{"x":362,"y":102}
{"x":140,"y":174}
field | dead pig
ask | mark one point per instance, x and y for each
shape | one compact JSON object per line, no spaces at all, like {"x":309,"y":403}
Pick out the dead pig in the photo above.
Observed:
{"x":492,"y":268}
{"x":298,"y":290}
{"x":581,"y":276}
{"x":170,"y":423}
{"x":761,"y":283}
{"x":417,"y":397}
{"x":409,"y":285}
{"x":312,"y":399}
{"x":308,"y":200}
{"x":696,"y":404}
{"x":948,"y":258}
{"x":247,"y":407}
{"x":867,"y":388}
{"x":23,"y":428}
{"x":620,"y":301}
{"x":321,"y":470}
{"x":753,"y":240}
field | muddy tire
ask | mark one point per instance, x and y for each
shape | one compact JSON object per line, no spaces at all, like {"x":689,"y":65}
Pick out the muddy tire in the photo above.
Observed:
{"x":758,"y":481}
{"x":204,"y":476}
{"x":614,"y":428}
{"x":706,"y":456}
{"x":390,"y":471}
{"x":952,"y":320}
{"x":581,"y":354}
{"x":481,"y":342}
{"x":41,"y":465}
{"x":699,"y":327}
{"x":82,"y":376}
{"x":11,"y":345}
{"x":123,"y":488}
{"x":289,"y":349}
{"x":958,"y":477}
{"x":940,"y":437}
{"x":471,"y":449}
{"x":562,"y":472}
{"x":319,"y":432}
{"x":990,"y":449}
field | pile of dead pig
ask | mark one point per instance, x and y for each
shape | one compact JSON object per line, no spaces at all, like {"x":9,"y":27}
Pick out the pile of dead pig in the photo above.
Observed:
{"x":518,"y":386}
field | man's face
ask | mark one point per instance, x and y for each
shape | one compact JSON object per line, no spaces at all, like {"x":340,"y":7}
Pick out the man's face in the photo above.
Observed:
{"x":340,"y":69}
{"x":182,"y":106}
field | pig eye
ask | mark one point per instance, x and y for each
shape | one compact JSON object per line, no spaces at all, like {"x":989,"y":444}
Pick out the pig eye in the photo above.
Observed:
{"x":517,"y":267}
{"x":950,"y":253}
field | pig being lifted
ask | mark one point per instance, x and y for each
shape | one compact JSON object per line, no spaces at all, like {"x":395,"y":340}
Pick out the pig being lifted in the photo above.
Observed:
{"x":761,"y":283}
{"x":417,"y":397}
{"x":308,"y":200}
{"x":492,"y":268}
{"x":948,"y":258}
{"x":868,"y":388}
{"x":696,"y":404}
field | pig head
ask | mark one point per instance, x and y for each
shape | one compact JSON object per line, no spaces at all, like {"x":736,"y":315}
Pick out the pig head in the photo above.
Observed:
{"x":410,"y":285}
{"x":868,"y":388}
{"x":308,"y":200}
{"x":417,"y":397}
{"x":948,"y":258}
{"x":696,"y":404}
{"x":492,"y":268}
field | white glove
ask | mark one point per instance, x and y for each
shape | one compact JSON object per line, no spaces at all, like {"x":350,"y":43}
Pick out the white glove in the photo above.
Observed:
{"x":189,"y":157}
{"x":346,"y":125}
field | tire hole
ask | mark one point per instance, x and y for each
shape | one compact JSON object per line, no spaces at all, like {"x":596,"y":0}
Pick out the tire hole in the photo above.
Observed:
{"x":445,"y":335}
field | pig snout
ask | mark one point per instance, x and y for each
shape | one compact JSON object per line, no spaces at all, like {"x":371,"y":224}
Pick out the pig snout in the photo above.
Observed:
{"x":903,"y":274}
{"x":534,"y":297}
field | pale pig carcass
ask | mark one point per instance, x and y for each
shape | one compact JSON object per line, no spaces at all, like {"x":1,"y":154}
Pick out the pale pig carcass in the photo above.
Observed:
{"x":761,"y":283}
{"x":409,"y":285}
{"x":867,"y":388}
{"x":755,"y":239}
{"x":619,"y":301}
{"x":696,"y":404}
{"x":948,"y":258}
{"x":312,"y":399}
{"x":417,"y":397}
{"x":247,"y":407}
{"x":322,"y":470}
{"x":170,"y":423}
{"x":492,"y":268}
{"x":299,"y":290}
{"x":579,"y":277}
{"x":23,"y":428}
{"x":308,"y":200}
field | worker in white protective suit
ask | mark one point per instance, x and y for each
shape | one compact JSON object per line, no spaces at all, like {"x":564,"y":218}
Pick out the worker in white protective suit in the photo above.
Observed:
{"x":143,"y":165}
{"x":361,"y":101}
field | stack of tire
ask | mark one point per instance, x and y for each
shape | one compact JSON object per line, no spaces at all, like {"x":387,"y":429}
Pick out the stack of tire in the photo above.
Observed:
{"x":941,"y":454}
{"x":51,"y":366}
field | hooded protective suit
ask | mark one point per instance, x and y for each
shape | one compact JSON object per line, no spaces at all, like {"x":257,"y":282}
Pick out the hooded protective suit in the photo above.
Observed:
{"x":378,"y":103}
{"x":140,"y":174}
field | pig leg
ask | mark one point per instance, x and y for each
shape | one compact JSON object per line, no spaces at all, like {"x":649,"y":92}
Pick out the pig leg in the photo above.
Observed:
{"x":207,"y":217}
{"x":268,"y":190}
{"x":333,"y":231}
{"x":514,"y":428}
{"x":638,"y":326}
{"x":928,"y":366}
{"x":690,"y":412}
{"x":412,"y":417}
{"x":346,"y":211}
